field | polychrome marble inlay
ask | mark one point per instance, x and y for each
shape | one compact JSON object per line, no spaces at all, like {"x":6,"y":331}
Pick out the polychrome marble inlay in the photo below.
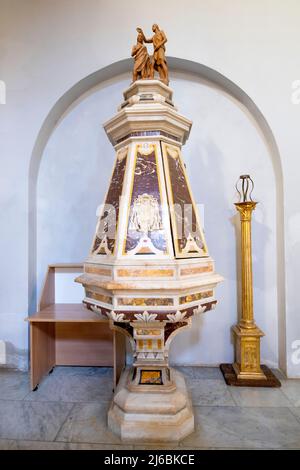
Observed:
{"x":197,"y":270}
{"x":102,"y":298}
{"x":108,"y":221}
{"x":192,"y":297}
{"x":188,"y":237}
{"x":97,"y":270}
{"x":138,"y":301}
{"x":145,"y":272}
{"x":146,"y":197}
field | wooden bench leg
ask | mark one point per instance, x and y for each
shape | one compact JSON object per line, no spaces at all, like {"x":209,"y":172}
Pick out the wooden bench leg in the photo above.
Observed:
{"x":42,"y":351}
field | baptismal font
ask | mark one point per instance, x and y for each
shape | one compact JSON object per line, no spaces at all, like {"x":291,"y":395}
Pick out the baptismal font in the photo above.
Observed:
{"x":149,"y":270}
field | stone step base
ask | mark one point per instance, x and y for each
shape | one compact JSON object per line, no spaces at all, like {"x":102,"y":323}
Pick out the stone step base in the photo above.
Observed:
{"x":150,"y":416}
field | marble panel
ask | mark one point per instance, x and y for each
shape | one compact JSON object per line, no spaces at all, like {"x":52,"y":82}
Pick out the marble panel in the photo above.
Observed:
{"x":184,"y":219}
{"x":291,"y":389}
{"x":10,"y":444}
{"x":32,"y":420}
{"x":88,"y":423}
{"x":249,"y":428}
{"x":210,"y":392}
{"x":83,"y":370}
{"x":194,"y":372}
{"x":253,"y":396}
{"x":73,"y":388}
{"x":146,"y":181}
{"x":14,"y":385}
{"x":108,"y":221}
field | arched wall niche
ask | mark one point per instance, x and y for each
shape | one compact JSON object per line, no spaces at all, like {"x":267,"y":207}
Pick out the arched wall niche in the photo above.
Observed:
{"x":202,"y":74}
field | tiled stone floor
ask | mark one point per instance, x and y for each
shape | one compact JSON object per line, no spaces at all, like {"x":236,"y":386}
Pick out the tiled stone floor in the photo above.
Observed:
{"x":69,"y":409}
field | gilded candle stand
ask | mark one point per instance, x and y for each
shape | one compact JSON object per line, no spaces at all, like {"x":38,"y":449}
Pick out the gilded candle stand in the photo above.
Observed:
{"x":247,"y":370}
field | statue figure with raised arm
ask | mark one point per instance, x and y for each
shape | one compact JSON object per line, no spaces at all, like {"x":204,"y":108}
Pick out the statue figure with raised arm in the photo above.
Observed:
{"x":159,"y":40}
{"x":143,"y":67}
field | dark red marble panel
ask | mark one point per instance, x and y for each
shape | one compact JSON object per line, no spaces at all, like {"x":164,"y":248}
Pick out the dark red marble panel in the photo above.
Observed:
{"x":184,"y":210}
{"x":110,"y":213}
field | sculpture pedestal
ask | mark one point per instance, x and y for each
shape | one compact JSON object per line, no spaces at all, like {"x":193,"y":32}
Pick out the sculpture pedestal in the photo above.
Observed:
{"x":151,"y":413}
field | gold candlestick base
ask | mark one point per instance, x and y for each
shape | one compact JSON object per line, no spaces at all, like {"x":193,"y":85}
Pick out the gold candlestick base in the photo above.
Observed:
{"x":247,"y":351}
{"x":231,"y":378}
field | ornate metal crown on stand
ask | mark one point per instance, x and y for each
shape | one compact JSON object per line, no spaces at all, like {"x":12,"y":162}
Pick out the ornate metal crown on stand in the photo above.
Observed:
{"x":149,"y":270}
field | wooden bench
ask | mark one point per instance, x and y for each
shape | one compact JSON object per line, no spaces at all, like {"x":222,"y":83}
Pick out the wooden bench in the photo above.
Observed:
{"x":70,"y":334}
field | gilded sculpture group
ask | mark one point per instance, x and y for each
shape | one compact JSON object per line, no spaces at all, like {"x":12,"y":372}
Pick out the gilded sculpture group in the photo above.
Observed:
{"x":144,"y":65}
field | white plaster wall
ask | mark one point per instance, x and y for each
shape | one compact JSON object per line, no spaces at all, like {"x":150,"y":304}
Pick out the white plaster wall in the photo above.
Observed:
{"x":73,"y":177}
{"x":48,"y":46}
{"x":223,"y":144}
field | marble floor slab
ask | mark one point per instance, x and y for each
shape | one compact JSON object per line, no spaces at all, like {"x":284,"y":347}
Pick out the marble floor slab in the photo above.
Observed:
{"x":67,"y":371}
{"x":209,"y":392}
{"x":74,"y":388}
{"x":11,"y":444}
{"x":296,"y":413}
{"x":291,"y":388}
{"x":165,"y":446}
{"x":252,"y":396}
{"x":32,"y":420}
{"x":250,"y":428}
{"x":88,"y":423}
{"x":188,"y":372}
{"x":14,"y":385}
{"x":69,"y":411}
{"x":14,"y":444}
{"x":201,"y":372}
